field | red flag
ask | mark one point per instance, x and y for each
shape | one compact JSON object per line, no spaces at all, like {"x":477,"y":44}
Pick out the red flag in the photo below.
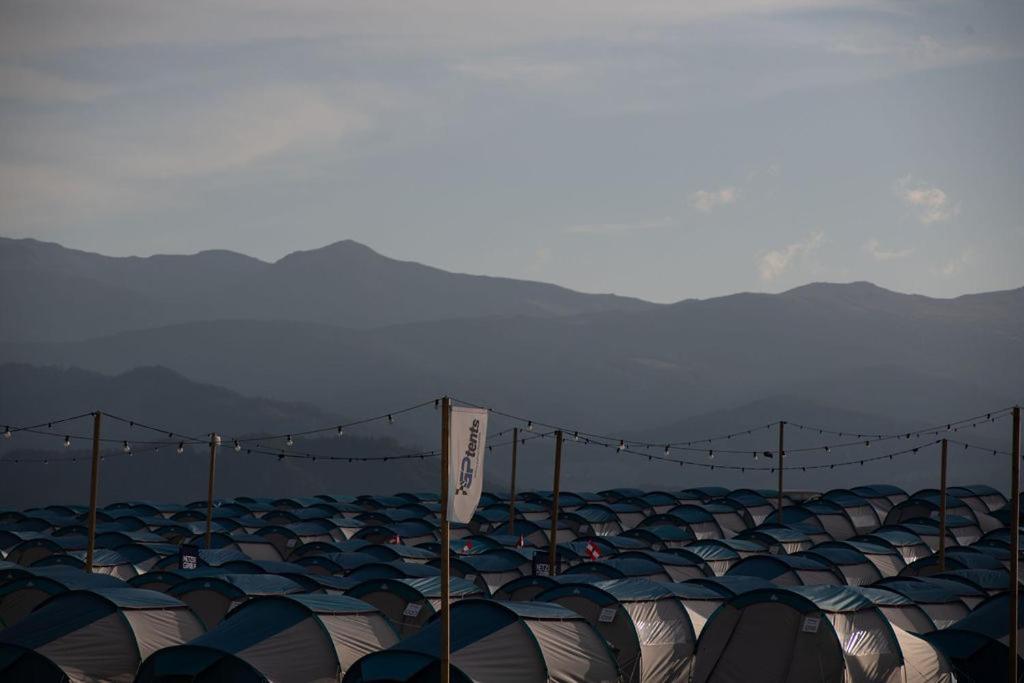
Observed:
{"x":521,"y":542}
{"x":395,"y":540}
{"x":467,"y":548}
{"x":593,"y":552}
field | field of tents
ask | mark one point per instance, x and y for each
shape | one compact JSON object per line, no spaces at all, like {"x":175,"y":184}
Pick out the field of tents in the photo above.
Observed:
{"x":705,"y":584}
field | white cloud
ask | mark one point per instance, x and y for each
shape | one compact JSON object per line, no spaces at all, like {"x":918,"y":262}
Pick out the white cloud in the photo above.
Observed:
{"x":774,"y":263}
{"x":874,"y":247}
{"x":929,"y":204}
{"x":519,"y":71}
{"x":615,"y":228}
{"x":957,"y":264}
{"x":541,"y":257}
{"x":22,"y":83}
{"x":709,"y":200}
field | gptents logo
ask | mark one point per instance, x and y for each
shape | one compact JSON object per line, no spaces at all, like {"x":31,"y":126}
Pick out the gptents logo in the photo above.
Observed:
{"x":467,"y":468}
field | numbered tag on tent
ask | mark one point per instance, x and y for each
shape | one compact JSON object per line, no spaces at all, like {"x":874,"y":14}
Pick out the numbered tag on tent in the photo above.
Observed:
{"x":607,"y":615}
{"x":811,"y":624}
{"x":188,"y":557}
{"x":412,"y":610}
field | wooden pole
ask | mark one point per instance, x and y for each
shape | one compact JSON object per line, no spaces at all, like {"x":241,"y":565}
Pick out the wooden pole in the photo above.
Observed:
{"x":553,"y":546}
{"x":94,"y":482}
{"x":942,"y":508}
{"x":214,"y":441}
{"x":512,"y":494}
{"x":446,"y":617}
{"x":782,"y":455}
{"x":1014,"y":542}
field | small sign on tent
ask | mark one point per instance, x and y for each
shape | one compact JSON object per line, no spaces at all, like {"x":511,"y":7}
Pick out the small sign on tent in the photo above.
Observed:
{"x":542,"y":566}
{"x":188,"y":557}
{"x":811,"y":624}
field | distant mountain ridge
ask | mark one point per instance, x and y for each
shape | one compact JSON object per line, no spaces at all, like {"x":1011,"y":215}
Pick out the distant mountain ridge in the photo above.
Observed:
{"x":158,"y":397}
{"x":64,"y":294}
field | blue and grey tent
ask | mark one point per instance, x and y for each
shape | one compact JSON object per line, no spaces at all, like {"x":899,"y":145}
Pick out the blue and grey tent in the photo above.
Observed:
{"x":104,"y":561}
{"x":646,"y":624}
{"x":97,"y":635}
{"x":789,"y":570}
{"x":21,"y":594}
{"x":943,"y":605}
{"x":977,"y":645}
{"x":498,"y":642}
{"x":410,"y":603}
{"x":212,"y":597}
{"x":279,"y":638}
{"x":857,"y":570}
{"x":820,"y":633}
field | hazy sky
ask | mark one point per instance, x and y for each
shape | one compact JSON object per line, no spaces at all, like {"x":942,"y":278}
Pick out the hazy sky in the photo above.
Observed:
{"x":659,"y":149}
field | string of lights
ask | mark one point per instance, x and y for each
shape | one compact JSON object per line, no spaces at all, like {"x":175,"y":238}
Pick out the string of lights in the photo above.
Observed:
{"x":587,"y":438}
{"x":688,"y":446}
{"x":289,"y":437}
{"x":953,"y":426}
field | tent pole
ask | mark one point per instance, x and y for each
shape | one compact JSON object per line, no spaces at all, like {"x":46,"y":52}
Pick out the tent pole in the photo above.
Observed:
{"x":1014,"y":542}
{"x":942,"y":508}
{"x":553,"y":546}
{"x":214,"y":440}
{"x":93,"y":486}
{"x":512,"y":494}
{"x":782,"y":455}
{"x":446,"y":619}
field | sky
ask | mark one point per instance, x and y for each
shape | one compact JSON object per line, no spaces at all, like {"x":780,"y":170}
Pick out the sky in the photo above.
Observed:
{"x":658,"y":149}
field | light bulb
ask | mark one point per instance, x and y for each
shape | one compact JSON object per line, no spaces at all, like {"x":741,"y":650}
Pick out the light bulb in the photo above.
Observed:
{"x":181,"y":447}
{"x":238,"y":447}
{"x":67,"y":442}
{"x":391,"y":420}
{"x":7,"y":432}
{"x":341,"y":432}
{"x":667,"y":450}
{"x":289,"y":441}
{"x":529,"y":426}
{"x":126,"y":448}
{"x":711,"y":454}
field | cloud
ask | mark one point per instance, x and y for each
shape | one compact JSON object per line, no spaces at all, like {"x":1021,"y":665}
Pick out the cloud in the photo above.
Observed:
{"x":541,"y":257}
{"x":957,"y":264}
{"x":616,"y":228}
{"x":21,"y":83}
{"x":774,"y":263}
{"x":709,"y":200}
{"x":519,"y":71}
{"x":929,"y":204}
{"x":874,"y":248}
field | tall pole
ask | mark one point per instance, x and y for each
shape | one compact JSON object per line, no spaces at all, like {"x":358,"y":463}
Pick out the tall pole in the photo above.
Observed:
{"x":94,"y":482}
{"x":782,"y":457}
{"x":446,"y":617}
{"x":942,"y":508}
{"x":512,"y":494}
{"x":1014,"y":541}
{"x":553,"y":546}
{"x":214,"y":441}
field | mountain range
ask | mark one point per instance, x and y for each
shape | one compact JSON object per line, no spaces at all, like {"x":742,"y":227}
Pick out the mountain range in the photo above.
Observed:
{"x":346,"y":331}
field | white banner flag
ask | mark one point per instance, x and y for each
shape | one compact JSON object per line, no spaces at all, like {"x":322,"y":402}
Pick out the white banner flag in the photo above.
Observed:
{"x":467,"y":434}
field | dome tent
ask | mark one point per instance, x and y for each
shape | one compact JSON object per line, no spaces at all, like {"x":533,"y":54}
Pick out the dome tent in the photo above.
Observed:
{"x":410,"y":603}
{"x":98,"y":635}
{"x":819,"y":633}
{"x":498,"y":642}
{"x":20,"y":595}
{"x":212,"y":597}
{"x":768,"y":635}
{"x":646,"y":624}
{"x":976,"y":646}
{"x":278,"y":638}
